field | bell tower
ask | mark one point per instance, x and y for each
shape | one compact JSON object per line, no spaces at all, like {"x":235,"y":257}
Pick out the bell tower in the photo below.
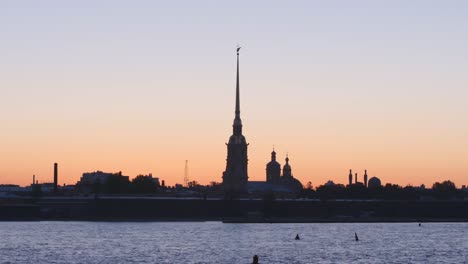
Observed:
{"x":235,"y":176}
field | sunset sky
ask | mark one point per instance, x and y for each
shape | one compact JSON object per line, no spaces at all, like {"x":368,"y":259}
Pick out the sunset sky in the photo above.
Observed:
{"x":142,"y":86}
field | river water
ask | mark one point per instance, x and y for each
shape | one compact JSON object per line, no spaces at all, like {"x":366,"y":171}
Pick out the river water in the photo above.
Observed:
{"x":215,"y":242}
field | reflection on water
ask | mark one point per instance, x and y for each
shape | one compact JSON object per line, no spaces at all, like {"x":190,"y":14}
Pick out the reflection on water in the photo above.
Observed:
{"x":214,"y":242}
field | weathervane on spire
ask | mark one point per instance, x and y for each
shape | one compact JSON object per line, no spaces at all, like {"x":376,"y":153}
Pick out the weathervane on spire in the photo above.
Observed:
{"x":238,"y":48}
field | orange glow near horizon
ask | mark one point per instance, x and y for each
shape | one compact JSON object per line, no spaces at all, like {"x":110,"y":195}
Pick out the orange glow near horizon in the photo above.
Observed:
{"x":133,"y":148}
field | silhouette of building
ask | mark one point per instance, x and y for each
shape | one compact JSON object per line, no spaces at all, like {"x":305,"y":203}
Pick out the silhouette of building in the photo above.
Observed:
{"x":365,"y":178}
{"x":150,"y":177}
{"x":273,"y":175}
{"x":235,"y":176}
{"x":356,"y":182}
{"x":7,"y":189}
{"x":98,"y":177}
{"x":374,"y":182}
{"x":90,"y":180}
{"x":329,"y":183}
{"x":273,"y":169}
{"x":47,"y":187}
{"x":350,"y":176}
{"x":288,"y":179}
{"x":55,"y":177}
{"x":287,"y":172}
{"x":262,"y":187}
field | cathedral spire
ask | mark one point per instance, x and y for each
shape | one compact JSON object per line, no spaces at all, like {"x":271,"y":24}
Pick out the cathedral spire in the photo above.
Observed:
{"x":237,"y":126}
{"x":235,"y":177}
{"x":237,"y":87}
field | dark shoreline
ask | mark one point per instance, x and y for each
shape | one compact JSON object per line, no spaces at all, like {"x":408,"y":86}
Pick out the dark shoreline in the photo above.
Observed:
{"x":245,"y":221}
{"x":139,"y":209}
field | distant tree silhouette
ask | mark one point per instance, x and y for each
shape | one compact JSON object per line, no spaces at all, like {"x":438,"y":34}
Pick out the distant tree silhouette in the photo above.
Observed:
{"x":214,"y":183}
{"x":444,"y":190}
{"x":215,"y":188}
{"x":143,"y":184}
{"x":193,"y":184}
{"x":358,"y":191}
{"x":307,"y":191}
{"x":392,"y":191}
{"x":445,"y":187}
{"x":335,"y":191}
{"x":392,"y":187}
{"x":117,"y":184}
{"x":410,"y":193}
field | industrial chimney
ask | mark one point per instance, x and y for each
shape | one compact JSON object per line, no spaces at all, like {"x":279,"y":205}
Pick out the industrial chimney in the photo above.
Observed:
{"x":55,"y":177}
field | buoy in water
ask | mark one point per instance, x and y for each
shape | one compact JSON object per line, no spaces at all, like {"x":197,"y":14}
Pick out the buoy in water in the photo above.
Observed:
{"x":356,"y":237}
{"x":297,"y":237}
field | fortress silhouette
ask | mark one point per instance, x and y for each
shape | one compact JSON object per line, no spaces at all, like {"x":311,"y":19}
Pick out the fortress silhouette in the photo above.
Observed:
{"x":235,"y":177}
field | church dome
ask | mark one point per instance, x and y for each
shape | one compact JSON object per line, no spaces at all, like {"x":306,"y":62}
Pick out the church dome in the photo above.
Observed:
{"x":287,"y":168}
{"x":273,"y":169}
{"x":374,"y":182}
{"x":273,"y":163}
{"x":291,"y":183}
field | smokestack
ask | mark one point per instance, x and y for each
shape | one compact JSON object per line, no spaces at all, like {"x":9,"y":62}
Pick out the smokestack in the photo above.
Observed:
{"x":355,"y":178}
{"x":365,"y":178}
{"x":55,"y":176}
{"x":350,"y":177}
{"x":34,"y":179}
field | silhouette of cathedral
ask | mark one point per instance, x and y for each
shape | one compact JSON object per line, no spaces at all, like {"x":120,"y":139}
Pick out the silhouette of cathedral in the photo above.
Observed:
{"x":235,"y":176}
{"x":273,"y":174}
{"x":273,"y":169}
{"x":371,"y":183}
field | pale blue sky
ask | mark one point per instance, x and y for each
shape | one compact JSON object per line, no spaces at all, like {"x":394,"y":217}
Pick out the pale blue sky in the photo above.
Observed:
{"x":310,"y":71}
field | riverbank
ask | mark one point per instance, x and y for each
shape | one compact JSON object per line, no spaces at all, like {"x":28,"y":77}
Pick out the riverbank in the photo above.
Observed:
{"x":232,"y":211}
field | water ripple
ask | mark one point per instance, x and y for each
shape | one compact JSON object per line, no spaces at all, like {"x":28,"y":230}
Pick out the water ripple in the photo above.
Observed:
{"x":214,"y":242}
